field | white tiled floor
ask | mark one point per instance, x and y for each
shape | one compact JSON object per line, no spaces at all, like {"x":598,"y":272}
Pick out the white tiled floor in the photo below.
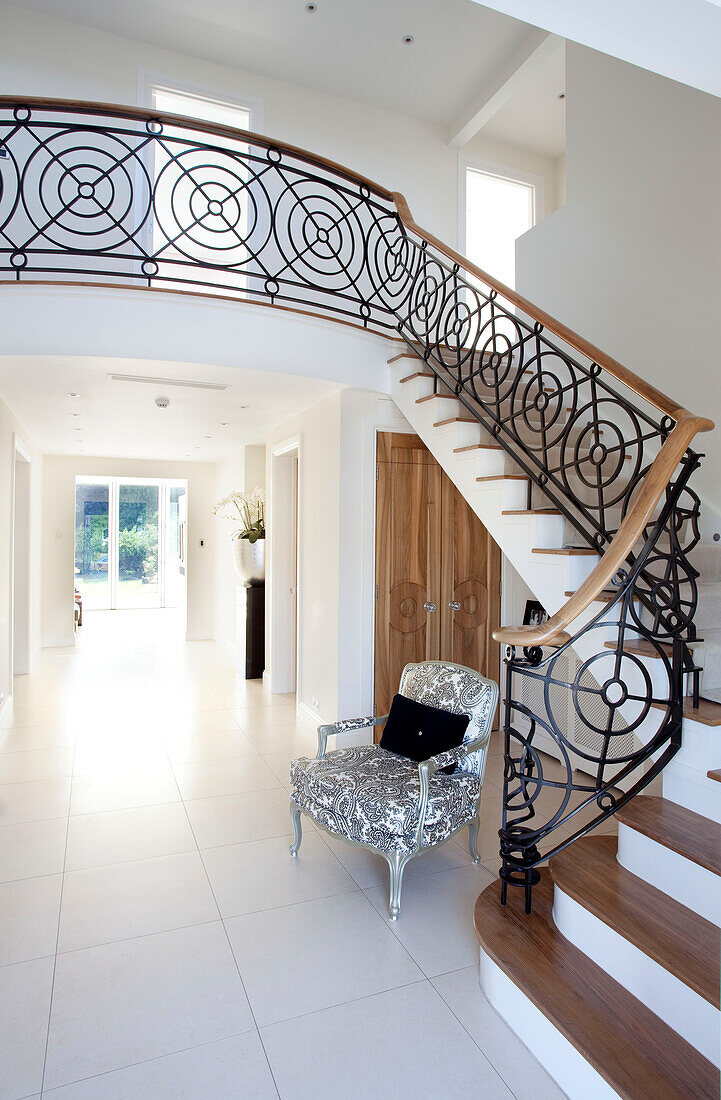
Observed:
{"x":157,"y":940}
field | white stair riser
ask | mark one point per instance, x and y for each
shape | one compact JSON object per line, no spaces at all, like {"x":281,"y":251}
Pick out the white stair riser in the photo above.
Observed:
{"x":578,"y":1079}
{"x":680,"y":878}
{"x":692,"y":789}
{"x":677,"y":1004}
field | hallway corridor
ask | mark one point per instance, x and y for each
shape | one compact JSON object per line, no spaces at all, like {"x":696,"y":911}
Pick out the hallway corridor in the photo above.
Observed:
{"x":156,"y":939}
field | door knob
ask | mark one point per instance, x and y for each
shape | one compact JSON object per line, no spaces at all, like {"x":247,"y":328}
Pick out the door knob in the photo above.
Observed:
{"x":429,"y":607}
{"x":454,"y":605}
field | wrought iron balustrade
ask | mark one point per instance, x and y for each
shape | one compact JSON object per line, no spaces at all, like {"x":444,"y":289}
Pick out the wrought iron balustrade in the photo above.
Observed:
{"x":100,"y":194}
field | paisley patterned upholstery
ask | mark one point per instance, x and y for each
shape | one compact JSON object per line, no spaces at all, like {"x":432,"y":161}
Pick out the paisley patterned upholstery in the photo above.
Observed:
{"x":459,"y":690}
{"x":372,"y":796}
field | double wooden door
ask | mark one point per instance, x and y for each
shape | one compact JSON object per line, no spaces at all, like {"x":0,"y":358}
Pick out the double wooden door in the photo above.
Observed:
{"x":438,"y":570}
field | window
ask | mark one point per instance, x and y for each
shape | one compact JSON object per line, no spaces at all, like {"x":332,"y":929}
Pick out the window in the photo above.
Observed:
{"x":200,"y":220}
{"x":497,"y":209}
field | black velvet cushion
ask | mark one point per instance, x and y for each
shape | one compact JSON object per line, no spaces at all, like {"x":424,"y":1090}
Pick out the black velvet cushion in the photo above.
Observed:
{"x":419,"y":731}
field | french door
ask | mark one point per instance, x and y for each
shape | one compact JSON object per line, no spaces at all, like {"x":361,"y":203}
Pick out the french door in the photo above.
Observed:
{"x":130,"y":542}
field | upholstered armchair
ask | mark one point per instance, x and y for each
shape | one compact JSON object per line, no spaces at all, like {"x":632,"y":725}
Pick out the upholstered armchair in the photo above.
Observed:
{"x":388,"y":803}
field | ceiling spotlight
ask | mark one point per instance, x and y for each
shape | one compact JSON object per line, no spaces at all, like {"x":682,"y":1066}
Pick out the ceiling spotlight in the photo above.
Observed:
{"x":561,"y":95}
{"x":162,"y":402}
{"x":208,"y":437}
{"x":75,"y":414}
{"x":407,"y":39}
{"x":77,"y":429}
{"x":73,"y":395}
{"x":196,"y":447}
{"x":311,"y":8}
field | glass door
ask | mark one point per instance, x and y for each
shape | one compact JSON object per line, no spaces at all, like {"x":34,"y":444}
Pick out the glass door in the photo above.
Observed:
{"x":92,"y":544}
{"x":138,"y":576}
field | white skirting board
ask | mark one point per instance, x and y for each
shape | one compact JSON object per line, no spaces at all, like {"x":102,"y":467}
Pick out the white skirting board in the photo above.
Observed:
{"x":677,"y":1004}
{"x":578,"y":1079}
{"x":680,"y":878}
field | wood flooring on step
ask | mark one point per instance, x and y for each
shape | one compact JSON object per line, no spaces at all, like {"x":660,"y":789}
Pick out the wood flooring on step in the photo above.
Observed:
{"x":639,"y":1055}
{"x":676,"y":938}
{"x":690,"y":835}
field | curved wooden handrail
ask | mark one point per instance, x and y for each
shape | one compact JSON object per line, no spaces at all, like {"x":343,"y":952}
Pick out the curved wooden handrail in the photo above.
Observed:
{"x":661,"y":471}
{"x":654,"y":484}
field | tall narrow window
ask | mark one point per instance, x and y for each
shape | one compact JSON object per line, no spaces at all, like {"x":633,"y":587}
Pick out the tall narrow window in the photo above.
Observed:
{"x":497,"y":211}
{"x":201,"y":205}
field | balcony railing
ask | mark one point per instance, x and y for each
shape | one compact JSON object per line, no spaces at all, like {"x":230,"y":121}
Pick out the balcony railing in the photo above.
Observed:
{"x":97,"y":194}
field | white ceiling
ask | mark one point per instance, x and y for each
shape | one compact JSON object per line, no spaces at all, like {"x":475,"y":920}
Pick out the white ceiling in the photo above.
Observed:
{"x":349,"y":48}
{"x":535,"y":118}
{"x":120,"y":419}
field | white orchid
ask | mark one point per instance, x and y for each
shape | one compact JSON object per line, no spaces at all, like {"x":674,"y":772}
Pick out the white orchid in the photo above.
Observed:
{"x":247,"y":507}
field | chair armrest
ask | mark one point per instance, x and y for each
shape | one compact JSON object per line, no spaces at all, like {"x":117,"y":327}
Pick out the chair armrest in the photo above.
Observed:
{"x":343,"y":726}
{"x":429,"y":767}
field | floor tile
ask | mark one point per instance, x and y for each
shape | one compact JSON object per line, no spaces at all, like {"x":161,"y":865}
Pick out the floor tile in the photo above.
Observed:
{"x":29,"y":911}
{"x":183,"y":748}
{"x":292,"y":740}
{"x":262,"y":874}
{"x":110,"y":790}
{"x":235,"y":818}
{"x":514,"y":1062}
{"x":104,"y":904}
{"x":142,"y":998}
{"x":310,"y":956}
{"x":405,"y":1045}
{"x":261,"y":717}
{"x":436,"y":919}
{"x":368,"y":869}
{"x":32,"y":849}
{"x":24,"y":1006}
{"x":212,"y":778}
{"x":118,"y":753}
{"x":117,"y":836}
{"x":227,"y":1069}
{"x":36,"y":801}
{"x":34,"y":764}
{"x":35,"y":737}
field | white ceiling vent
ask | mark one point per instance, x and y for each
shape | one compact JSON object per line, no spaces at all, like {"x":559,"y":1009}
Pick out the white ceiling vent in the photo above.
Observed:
{"x":168,"y":381}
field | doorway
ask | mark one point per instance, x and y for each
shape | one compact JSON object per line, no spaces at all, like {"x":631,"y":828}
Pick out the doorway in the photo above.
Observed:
{"x":20,"y":604}
{"x":130,"y":539}
{"x":284,"y":528}
{"x":438,"y":571}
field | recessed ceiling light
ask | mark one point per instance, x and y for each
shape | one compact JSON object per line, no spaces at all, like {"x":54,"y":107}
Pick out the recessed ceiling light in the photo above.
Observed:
{"x":196,"y":447}
{"x":208,"y":437}
{"x":311,"y":8}
{"x":407,"y":39}
{"x":225,"y":423}
{"x":75,"y":414}
{"x":243,"y":406}
{"x":77,"y":429}
{"x":561,"y":95}
{"x":73,"y":395}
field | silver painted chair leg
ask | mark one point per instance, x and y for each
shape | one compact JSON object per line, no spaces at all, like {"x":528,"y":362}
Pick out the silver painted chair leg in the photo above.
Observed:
{"x":297,"y":829}
{"x":396,"y":863}
{"x":473,"y":839}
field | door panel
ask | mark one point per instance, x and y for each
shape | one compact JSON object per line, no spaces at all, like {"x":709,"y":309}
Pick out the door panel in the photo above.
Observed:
{"x":408,"y":560}
{"x":471,"y":571}
{"x":430,"y":548}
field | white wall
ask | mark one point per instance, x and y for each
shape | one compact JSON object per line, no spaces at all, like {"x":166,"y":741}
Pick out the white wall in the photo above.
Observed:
{"x":336,"y":547}
{"x":633,"y":259}
{"x":43,"y":56}
{"x":243,"y":470}
{"x":9,"y":427}
{"x":59,"y":473}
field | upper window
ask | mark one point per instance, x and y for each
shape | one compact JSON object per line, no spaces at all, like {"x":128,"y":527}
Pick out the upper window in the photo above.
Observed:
{"x":498,"y":209}
{"x":177,"y":102}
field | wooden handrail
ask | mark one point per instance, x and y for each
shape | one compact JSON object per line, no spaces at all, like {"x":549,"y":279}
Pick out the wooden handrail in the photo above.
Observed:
{"x":653,"y":486}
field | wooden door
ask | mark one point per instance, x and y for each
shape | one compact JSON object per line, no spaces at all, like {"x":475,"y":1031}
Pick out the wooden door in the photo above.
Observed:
{"x":431,"y":548}
{"x":408,"y":560}
{"x":470,"y":586}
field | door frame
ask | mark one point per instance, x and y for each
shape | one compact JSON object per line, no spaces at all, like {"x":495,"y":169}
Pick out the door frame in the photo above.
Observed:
{"x":284,"y":657}
{"x":20,"y":453}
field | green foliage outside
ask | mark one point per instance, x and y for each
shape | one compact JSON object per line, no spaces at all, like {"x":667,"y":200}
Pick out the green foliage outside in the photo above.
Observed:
{"x":138,"y":552}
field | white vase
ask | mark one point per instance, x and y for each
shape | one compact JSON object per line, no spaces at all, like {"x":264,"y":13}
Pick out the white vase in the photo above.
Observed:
{"x":250,"y":560}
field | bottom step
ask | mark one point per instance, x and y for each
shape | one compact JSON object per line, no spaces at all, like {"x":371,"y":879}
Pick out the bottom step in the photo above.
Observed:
{"x":633,"y":1053}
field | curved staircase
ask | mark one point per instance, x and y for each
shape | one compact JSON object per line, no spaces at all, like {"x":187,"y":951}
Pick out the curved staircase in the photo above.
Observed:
{"x":605,"y":963}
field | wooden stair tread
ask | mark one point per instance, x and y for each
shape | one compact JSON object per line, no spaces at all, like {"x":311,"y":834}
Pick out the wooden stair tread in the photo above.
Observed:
{"x":478,"y":447}
{"x":566,"y":551}
{"x":606,"y":596}
{"x":417,"y":374}
{"x":643,"y":649}
{"x":639,"y":1055}
{"x":533,"y":512}
{"x":403,"y":355}
{"x":436,"y":396}
{"x":708,"y":713}
{"x":716,"y":774}
{"x":690,"y":835}
{"x":503,"y":477}
{"x":455,"y":420}
{"x":675,"y":937}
